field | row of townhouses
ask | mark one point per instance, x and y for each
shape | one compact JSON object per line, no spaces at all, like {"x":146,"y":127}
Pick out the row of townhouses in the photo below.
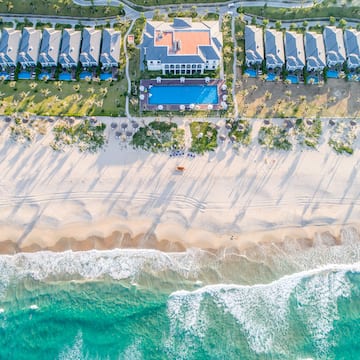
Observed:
{"x":68,"y":47}
{"x":315,"y":51}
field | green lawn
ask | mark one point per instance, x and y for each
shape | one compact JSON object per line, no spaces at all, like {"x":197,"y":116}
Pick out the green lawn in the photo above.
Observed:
{"x":57,"y":7}
{"x":63,"y":98}
{"x":305,"y":13}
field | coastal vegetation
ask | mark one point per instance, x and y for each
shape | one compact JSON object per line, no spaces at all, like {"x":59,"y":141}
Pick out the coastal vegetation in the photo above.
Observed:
{"x":240,"y":131}
{"x":343,"y":137}
{"x":308,"y":132}
{"x":274,"y":137}
{"x":203,"y":137}
{"x":20,"y":132}
{"x":159,"y":136}
{"x":85,"y":136}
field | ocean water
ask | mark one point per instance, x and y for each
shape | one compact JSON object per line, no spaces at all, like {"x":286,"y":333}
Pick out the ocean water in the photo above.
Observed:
{"x":275,"y":302}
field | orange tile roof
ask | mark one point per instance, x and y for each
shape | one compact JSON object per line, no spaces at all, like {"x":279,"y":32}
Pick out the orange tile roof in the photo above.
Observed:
{"x":188,"y":41}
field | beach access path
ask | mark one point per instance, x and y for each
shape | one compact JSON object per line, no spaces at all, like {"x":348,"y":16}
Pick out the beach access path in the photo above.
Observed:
{"x":47,"y":195}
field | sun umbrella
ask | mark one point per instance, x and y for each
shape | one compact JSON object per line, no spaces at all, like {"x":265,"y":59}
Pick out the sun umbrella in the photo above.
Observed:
{"x":135,"y":125}
{"x":158,"y":79}
{"x":222,"y":137}
{"x":124,"y":125}
{"x":207,"y":79}
{"x":141,"y":97}
{"x":7,"y":119}
{"x":210,"y":107}
{"x":223,"y":87}
{"x":224,"y":105}
{"x":141,"y":88}
{"x":113,"y":126}
{"x":182,"y":107}
{"x":331,"y":122}
{"x":160,"y":107}
{"x":182,"y":79}
{"x":224,"y":97}
{"x":352,"y":122}
{"x":117,"y":134}
{"x":93,"y":120}
{"x":191,"y":106}
{"x":129,"y":133}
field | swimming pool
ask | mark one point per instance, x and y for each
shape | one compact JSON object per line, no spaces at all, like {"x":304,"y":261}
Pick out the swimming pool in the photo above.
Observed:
{"x":293,"y":79}
{"x":271,"y":77}
{"x":24,"y":75}
{"x":332,"y":74}
{"x":183,"y":94}
{"x":65,"y":77}
{"x":251,"y":72}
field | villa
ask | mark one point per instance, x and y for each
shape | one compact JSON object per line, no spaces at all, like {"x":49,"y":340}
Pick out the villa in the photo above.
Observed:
{"x":110,"y":50}
{"x":254,"y":46}
{"x":294,"y":51}
{"x":70,"y":48}
{"x":50,"y":46}
{"x":90,"y":48}
{"x":352,"y":44}
{"x":315,"y":51}
{"x":334,"y":46}
{"x":274,"y":49}
{"x":29,"y":47}
{"x":9,"y":45}
{"x":183,"y":47}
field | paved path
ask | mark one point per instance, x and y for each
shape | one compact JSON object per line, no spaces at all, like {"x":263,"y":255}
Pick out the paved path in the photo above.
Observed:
{"x":236,"y":110}
{"x":127,"y":71}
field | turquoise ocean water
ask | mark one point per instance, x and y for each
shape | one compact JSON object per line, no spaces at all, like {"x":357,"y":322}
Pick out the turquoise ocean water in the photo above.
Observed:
{"x":287,"y":302}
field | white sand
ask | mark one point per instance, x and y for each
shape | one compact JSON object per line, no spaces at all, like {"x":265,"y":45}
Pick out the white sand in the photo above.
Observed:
{"x":46,"y":195}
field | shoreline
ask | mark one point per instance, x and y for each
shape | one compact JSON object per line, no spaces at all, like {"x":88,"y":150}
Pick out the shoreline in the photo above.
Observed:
{"x":164,"y":241}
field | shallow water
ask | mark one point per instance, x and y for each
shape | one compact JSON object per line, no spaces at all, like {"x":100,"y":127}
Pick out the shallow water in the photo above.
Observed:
{"x":276,"y":302}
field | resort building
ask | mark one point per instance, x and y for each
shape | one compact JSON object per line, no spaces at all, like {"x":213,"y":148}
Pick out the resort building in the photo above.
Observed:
{"x":315,"y":52}
{"x":183,"y":47}
{"x":90,"y":48}
{"x":9,"y":46}
{"x":294,"y":51}
{"x":274,"y":49}
{"x":70,"y":48}
{"x":254,"y":46}
{"x":50,"y":46}
{"x":352,"y":45}
{"x":334,"y":46}
{"x":110,"y":49}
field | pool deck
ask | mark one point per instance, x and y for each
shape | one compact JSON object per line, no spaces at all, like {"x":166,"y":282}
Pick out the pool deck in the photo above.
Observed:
{"x":145,"y":106}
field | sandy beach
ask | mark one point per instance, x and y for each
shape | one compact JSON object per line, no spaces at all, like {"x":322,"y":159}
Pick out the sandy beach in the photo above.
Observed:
{"x":123,"y":197}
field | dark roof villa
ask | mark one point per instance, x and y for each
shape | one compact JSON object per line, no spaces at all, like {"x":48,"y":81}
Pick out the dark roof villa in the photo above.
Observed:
{"x":90,"y":48}
{"x":110,"y":50}
{"x":9,"y":45}
{"x":70,"y":48}
{"x":50,"y":46}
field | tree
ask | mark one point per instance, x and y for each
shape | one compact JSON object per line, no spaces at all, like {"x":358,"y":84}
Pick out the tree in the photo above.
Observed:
{"x":332,"y":20}
{"x":278,"y":25}
{"x":305,"y":24}
{"x":342,"y":23}
{"x":293,"y":26}
{"x":265,"y":22}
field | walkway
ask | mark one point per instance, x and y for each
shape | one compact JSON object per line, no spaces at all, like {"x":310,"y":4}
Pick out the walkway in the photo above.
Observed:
{"x":127,"y":71}
{"x":236,"y":110}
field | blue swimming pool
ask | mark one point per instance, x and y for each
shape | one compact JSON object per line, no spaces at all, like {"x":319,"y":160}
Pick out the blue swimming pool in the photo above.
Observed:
{"x":105,"y":76}
{"x":251,"y":72}
{"x":293,"y":79}
{"x":270,"y":77}
{"x":312,"y":80}
{"x":183,"y":94}
{"x":24,"y":75}
{"x":332,"y":74}
{"x":85,"y":74}
{"x":5,"y":75}
{"x":65,"y":77}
